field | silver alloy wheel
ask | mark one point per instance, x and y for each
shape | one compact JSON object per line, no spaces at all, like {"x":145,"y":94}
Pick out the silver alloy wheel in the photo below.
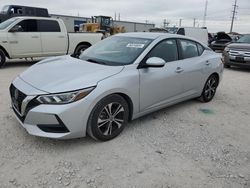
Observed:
{"x":210,"y":88}
{"x":111,"y":118}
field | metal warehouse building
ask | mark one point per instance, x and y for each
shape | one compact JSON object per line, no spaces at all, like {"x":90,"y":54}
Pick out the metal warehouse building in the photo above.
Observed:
{"x":71,"y":21}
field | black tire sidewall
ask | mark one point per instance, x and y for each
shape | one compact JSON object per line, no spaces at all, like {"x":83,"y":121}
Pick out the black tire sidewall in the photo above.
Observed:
{"x":3,"y":58}
{"x":93,"y":129}
{"x":203,"y":96}
{"x":79,"y":48}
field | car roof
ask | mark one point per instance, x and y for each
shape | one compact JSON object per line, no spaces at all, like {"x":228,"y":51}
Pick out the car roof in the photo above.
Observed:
{"x":35,"y":17}
{"x":148,"y":35}
{"x":155,"y":35}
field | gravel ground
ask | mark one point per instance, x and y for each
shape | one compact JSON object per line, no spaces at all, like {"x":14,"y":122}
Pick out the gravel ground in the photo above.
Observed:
{"x":191,"y":144}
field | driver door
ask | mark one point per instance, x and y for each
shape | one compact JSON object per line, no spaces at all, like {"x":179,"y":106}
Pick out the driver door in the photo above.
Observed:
{"x":159,"y":86}
{"x":27,"y":41}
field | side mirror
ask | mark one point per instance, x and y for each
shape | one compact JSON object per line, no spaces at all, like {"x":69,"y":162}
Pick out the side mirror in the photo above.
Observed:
{"x":16,"y":28}
{"x":155,"y":62}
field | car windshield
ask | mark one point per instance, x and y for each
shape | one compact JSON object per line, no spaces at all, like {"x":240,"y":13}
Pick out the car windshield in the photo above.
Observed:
{"x":5,"y":9}
{"x":244,"y":39}
{"x":116,"y":50}
{"x":6,"y":23}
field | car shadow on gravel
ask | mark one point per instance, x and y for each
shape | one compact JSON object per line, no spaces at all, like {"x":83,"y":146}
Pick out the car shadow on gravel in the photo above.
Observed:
{"x":163,"y":113}
{"x":19,"y":63}
{"x":87,"y":141}
{"x":239,"y":69}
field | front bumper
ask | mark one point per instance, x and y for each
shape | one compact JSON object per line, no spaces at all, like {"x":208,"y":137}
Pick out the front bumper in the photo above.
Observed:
{"x":52,"y":121}
{"x":233,"y":61}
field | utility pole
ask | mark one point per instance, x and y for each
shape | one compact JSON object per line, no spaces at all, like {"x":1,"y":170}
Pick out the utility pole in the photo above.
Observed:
{"x":205,"y":14}
{"x":180,"y":22}
{"x":233,"y":17}
{"x":194,"y":22}
{"x":165,"y":23}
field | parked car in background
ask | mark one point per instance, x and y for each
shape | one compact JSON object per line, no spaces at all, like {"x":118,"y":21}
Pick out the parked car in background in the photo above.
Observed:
{"x":238,"y":53}
{"x":28,"y":37}
{"x":121,"y":78}
{"x":9,"y":11}
{"x":220,"y":41}
{"x":200,"y":34}
{"x":235,"y":36}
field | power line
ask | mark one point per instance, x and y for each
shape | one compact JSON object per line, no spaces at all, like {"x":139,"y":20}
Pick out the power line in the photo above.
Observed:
{"x":233,"y":17}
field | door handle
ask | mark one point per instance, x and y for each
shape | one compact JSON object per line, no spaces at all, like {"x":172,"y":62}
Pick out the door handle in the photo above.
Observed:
{"x":61,"y":37}
{"x":179,"y":70}
{"x":207,"y":62}
{"x":35,"y":37}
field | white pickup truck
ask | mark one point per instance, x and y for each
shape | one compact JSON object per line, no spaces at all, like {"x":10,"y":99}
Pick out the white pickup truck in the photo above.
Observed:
{"x":28,"y":37}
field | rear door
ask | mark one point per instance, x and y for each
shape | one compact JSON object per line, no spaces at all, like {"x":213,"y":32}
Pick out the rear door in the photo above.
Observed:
{"x":27,"y":41}
{"x":54,"y":41}
{"x":193,"y":66}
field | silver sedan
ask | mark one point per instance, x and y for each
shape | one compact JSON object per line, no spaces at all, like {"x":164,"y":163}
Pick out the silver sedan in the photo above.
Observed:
{"x":115,"y":81}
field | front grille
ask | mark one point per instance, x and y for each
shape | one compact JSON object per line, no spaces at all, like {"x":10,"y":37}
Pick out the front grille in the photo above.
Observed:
{"x":239,"y":52}
{"x":17,"y":98}
{"x":32,"y":104}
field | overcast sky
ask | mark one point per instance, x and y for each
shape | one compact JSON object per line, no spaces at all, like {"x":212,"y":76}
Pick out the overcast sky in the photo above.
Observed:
{"x":155,"y":11}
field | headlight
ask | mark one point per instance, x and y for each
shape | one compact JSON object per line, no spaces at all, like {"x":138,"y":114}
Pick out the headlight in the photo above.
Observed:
{"x":64,"y":98}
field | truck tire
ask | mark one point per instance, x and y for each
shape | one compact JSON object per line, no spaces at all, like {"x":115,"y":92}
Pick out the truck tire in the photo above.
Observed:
{"x":2,"y":58}
{"x":79,"y":49}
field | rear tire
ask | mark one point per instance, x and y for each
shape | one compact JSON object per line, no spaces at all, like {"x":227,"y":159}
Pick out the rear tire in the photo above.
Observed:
{"x":209,"y":89}
{"x":79,"y":49}
{"x":108,"y":118}
{"x":2,"y":58}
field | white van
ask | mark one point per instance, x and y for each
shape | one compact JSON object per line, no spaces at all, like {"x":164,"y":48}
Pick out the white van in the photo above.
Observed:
{"x":198,"y":33}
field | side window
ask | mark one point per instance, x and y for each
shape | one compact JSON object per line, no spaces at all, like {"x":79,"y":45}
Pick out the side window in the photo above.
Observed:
{"x":49,"y":26}
{"x":188,"y":49}
{"x":200,"y":49}
{"x":16,"y":10}
{"x":28,"y":25}
{"x":166,"y":50}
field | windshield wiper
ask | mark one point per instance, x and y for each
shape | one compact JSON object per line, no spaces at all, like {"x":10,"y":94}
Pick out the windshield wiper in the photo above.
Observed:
{"x":95,"y":61}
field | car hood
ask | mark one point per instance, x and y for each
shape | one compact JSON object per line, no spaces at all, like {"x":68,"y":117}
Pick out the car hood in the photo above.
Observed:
{"x":244,"y":46}
{"x":61,"y":74}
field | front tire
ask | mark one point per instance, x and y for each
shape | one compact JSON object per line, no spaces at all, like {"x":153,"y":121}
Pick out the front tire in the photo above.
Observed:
{"x":209,"y":89}
{"x":108,"y":118}
{"x":2,"y":58}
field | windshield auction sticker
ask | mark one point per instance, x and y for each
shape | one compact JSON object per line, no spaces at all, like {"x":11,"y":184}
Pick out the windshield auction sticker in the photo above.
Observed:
{"x":133,"y":45}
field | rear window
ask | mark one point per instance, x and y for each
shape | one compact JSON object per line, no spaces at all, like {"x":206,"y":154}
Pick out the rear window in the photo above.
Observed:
{"x":200,"y":49}
{"x":49,"y":26}
{"x":189,"y":49}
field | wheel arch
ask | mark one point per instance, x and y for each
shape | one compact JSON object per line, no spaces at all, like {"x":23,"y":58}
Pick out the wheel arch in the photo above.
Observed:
{"x":83,"y":43}
{"x":4,"y":51}
{"x":217,"y":76}
{"x":129,"y":102}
